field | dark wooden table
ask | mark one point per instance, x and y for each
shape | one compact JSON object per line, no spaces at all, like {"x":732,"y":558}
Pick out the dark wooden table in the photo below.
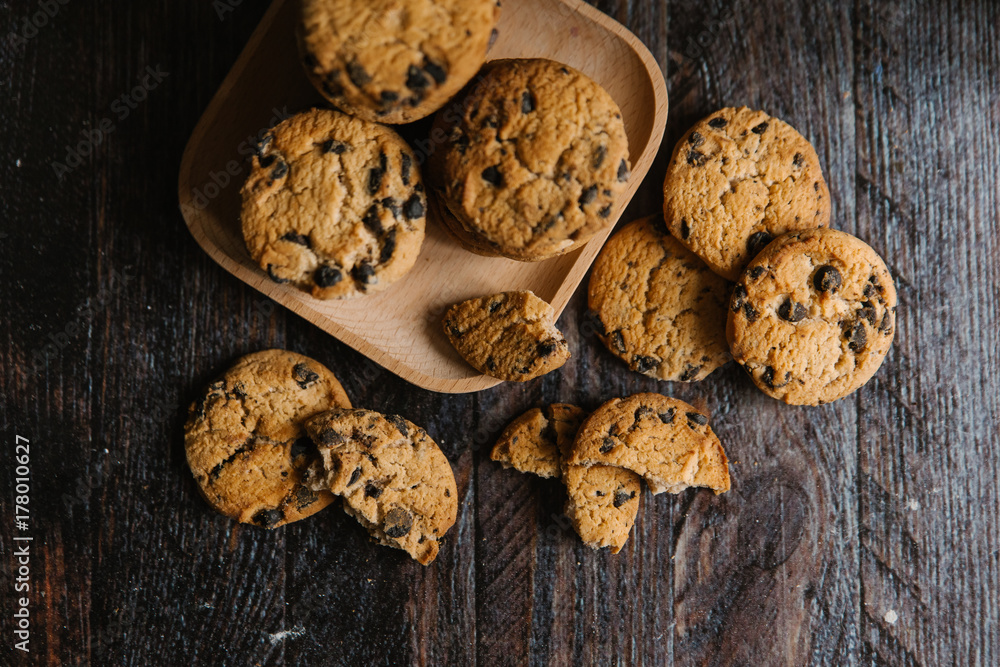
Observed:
{"x":866,"y":531}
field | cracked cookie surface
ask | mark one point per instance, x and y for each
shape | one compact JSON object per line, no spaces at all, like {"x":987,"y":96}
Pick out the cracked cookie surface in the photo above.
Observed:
{"x":533,"y":166}
{"x":245,"y":442}
{"x":334,"y":205}
{"x":738,"y":179}
{"x":393,"y":477}
{"x":394,"y":61}
{"x":510,"y":336}
{"x":813,"y":316}
{"x":665,"y":441}
{"x":602,"y":501}
{"x":660,"y":308}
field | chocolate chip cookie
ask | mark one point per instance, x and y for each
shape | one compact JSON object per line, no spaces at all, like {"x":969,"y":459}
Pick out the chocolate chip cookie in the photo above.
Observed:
{"x":813,"y":316}
{"x":658,"y":306}
{"x":667,"y":442}
{"x":394,"y":479}
{"x":510,"y":336}
{"x":534,"y":163}
{"x":602,"y":502}
{"x":245,"y":441}
{"x":333,"y":205}
{"x":738,"y":179}
{"x":394,"y":61}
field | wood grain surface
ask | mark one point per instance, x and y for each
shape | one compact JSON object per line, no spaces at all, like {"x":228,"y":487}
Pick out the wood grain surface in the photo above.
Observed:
{"x":862,"y":532}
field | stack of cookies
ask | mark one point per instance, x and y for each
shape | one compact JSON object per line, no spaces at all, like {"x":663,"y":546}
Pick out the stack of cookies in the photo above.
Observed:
{"x":602,"y":457}
{"x":275,"y":440}
{"x":811,"y":316}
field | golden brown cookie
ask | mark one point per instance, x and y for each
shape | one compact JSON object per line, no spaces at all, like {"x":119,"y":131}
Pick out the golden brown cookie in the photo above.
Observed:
{"x":394,"y":61}
{"x":245,"y":441}
{"x":738,"y":179}
{"x":334,"y":205}
{"x":394,"y":479}
{"x":659,"y":306}
{"x":602,"y":502}
{"x":813,"y":316}
{"x":665,"y":441}
{"x":511,"y":336}
{"x":534,"y":164}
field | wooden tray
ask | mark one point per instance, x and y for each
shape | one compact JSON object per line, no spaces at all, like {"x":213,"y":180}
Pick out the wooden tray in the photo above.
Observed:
{"x":400,"y":328}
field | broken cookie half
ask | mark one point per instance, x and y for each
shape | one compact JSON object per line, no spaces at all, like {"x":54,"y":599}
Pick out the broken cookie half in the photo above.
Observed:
{"x":510,"y":336}
{"x":601,"y":501}
{"x":393,"y":477}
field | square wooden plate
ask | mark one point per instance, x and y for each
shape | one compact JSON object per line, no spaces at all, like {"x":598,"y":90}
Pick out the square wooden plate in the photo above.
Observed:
{"x":400,"y":328}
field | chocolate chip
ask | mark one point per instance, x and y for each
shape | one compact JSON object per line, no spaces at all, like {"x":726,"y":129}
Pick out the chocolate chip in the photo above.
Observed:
{"x":767,"y":377}
{"x":685,"y":229}
{"x":405,"y":164}
{"x":857,"y":336}
{"x":623,"y":171}
{"x":622,"y":497}
{"x":798,"y":161}
{"x":642,"y":364}
{"x":334,"y":146}
{"x":760,"y":129}
{"x":364,"y":273}
{"x":545,"y":348}
{"x":298,"y":239}
{"x":527,"y":102}
{"x":493,"y":176}
{"x":643,"y":411}
{"x":273,"y":276}
{"x":329,"y":437}
{"x":392,"y":204}
{"x":750,"y":312}
{"x":372,"y":490}
{"x":696,"y":159}
{"x":388,"y":246}
{"x":607,"y":445}
{"x":757,"y":242}
{"x":792,"y":312}
{"x":415,"y":79}
{"x":600,"y":153}
{"x":886,"y":325}
{"x":266,"y":161}
{"x":400,"y":424}
{"x":739,"y":298}
{"x":304,"y":498}
{"x":357,"y":74}
{"x":696,"y":419}
{"x":398,"y":523}
{"x":867,"y":312}
{"x":588,"y":195}
{"x":690,"y":373}
{"x":327,"y":276}
{"x":376,"y":173}
{"x":592,"y":319}
{"x":262,"y":145}
{"x":301,"y":446}
{"x":372,"y":221}
{"x":618,"y":342}
{"x":437,"y":72}
{"x":696,"y":139}
{"x":491,"y":365}
{"x":494,"y":306}
{"x":303,"y":375}
{"x":605,"y":212}
{"x":827,"y":279}
{"x":280,"y":170}
{"x":668,"y":416}
{"x":756,"y":272}
{"x":718,"y":122}
{"x":414,"y":207}
{"x":354,"y":476}
{"x":268,"y":518}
